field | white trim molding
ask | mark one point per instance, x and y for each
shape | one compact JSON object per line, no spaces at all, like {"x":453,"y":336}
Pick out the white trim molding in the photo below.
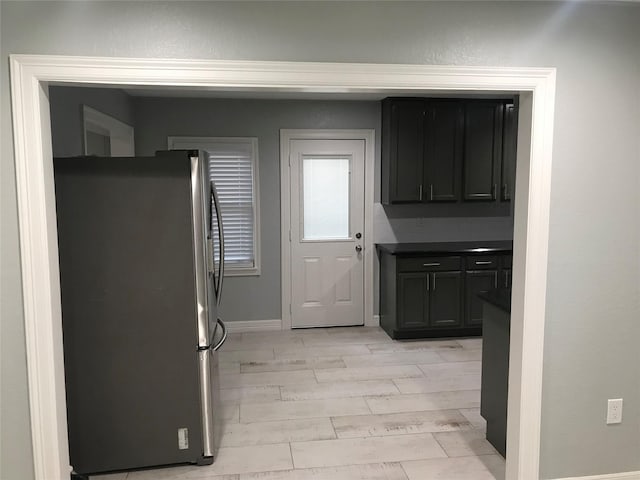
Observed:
{"x":205,"y":143}
{"x":608,"y":476}
{"x":373,"y":321}
{"x":247,"y":326}
{"x":30,"y":76}
{"x":286,"y":135}
{"x":120,"y":134}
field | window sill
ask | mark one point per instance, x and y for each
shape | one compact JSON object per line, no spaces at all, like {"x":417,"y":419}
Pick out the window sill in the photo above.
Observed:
{"x":242,"y":272}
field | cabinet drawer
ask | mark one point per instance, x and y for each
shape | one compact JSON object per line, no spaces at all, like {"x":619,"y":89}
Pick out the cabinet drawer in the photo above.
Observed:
{"x":482,"y":262}
{"x":423,"y":264}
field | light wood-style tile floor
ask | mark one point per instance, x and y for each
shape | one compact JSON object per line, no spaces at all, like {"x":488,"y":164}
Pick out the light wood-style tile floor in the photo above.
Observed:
{"x":347,"y":404}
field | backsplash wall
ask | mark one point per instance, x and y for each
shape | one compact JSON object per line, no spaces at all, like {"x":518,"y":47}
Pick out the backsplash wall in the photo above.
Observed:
{"x":390,"y":229}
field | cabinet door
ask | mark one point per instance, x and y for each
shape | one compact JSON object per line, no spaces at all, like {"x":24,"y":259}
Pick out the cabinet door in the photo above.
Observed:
{"x":482,"y":149}
{"x":413,"y":300}
{"x":477,"y":281}
{"x":443,"y":151}
{"x":406,"y":151}
{"x":509,"y":147}
{"x":446,"y":298}
{"x":504,"y":280}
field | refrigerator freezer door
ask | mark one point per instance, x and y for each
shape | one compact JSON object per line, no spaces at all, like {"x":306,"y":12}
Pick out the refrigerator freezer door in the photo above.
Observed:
{"x":210,"y":401}
{"x":199,"y":221}
{"x":210,"y":392}
{"x":208,"y":366}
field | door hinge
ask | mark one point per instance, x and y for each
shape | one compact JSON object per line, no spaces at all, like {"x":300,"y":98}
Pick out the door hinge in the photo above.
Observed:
{"x":289,"y":160}
{"x":289,"y":234}
{"x":290,"y":312}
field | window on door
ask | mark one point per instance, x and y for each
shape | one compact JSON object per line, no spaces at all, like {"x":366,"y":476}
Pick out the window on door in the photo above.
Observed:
{"x":326,"y":197}
{"x":233,"y":166}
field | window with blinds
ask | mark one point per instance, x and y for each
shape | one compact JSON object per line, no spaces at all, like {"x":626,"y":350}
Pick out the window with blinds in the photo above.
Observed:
{"x":232,"y":165}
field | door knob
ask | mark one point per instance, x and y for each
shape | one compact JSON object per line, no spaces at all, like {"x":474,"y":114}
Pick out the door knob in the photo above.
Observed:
{"x":358,"y":248}
{"x":358,"y":235}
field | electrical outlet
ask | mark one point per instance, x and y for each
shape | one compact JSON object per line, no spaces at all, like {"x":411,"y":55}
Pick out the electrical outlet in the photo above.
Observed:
{"x":614,"y":411}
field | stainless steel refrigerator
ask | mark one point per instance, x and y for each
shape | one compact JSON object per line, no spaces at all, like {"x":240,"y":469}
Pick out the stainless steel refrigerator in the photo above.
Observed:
{"x":141,"y":254}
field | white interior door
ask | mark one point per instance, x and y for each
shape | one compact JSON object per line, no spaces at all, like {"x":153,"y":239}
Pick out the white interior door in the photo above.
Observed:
{"x":327,"y":227}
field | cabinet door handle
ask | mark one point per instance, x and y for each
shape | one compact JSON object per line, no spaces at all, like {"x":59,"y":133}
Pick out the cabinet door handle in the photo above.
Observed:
{"x":420,"y":192}
{"x":431,"y":191}
{"x":434,"y":283}
{"x":434,"y":264}
{"x":493,"y":191}
{"x":483,"y":263}
{"x":496,"y":280}
{"x":505,"y":192}
{"x":428,"y":282}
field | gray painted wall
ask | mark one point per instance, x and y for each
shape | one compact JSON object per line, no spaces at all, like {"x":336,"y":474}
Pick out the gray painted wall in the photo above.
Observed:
{"x":592,"y":304}
{"x":67,"y":121}
{"x":158,"y":118}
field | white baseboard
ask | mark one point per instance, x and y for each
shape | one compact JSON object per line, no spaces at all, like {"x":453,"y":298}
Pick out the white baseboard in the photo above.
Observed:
{"x":245,"y":326}
{"x":374,"y":322}
{"x":608,"y":476}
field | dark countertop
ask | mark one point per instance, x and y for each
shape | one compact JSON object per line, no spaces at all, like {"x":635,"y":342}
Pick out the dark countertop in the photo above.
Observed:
{"x":498,"y":297}
{"x":430,"y":248}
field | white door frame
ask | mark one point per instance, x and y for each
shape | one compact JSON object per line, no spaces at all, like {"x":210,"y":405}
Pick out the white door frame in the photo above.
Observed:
{"x":286,"y":135}
{"x":121,"y":135}
{"x":30,"y":76}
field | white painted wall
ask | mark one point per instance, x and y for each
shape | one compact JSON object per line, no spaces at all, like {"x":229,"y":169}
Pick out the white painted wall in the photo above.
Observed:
{"x":594,"y":254}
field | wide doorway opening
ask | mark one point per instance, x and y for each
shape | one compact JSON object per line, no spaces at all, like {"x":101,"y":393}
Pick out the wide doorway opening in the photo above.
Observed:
{"x":31,"y":77}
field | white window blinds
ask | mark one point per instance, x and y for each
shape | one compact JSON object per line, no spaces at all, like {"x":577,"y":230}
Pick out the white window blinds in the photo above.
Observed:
{"x":231,"y":169}
{"x":232,"y":165}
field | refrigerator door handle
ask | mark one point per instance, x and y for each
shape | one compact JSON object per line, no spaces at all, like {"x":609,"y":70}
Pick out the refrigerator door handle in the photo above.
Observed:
{"x":216,"y":203}
{"x":224,"y":336}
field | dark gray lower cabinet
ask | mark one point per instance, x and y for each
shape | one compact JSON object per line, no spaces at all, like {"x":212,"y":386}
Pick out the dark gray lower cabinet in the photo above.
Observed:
{"x":413,"y":300}
{"x":429,"y":300}
{"x":427,"y":296}
{"x":495,"y":374}
{"x":477,"y":282}
{"x":504,"y":275}
{"x":446,"y":290}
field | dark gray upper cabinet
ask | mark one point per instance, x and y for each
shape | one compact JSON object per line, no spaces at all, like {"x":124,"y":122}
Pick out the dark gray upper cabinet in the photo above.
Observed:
{"x":447,"y":150}
{"x":403,"y":147}
{"x":509,"y":148}
{"x":443,"y":151}
{"x":483,"y":122}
